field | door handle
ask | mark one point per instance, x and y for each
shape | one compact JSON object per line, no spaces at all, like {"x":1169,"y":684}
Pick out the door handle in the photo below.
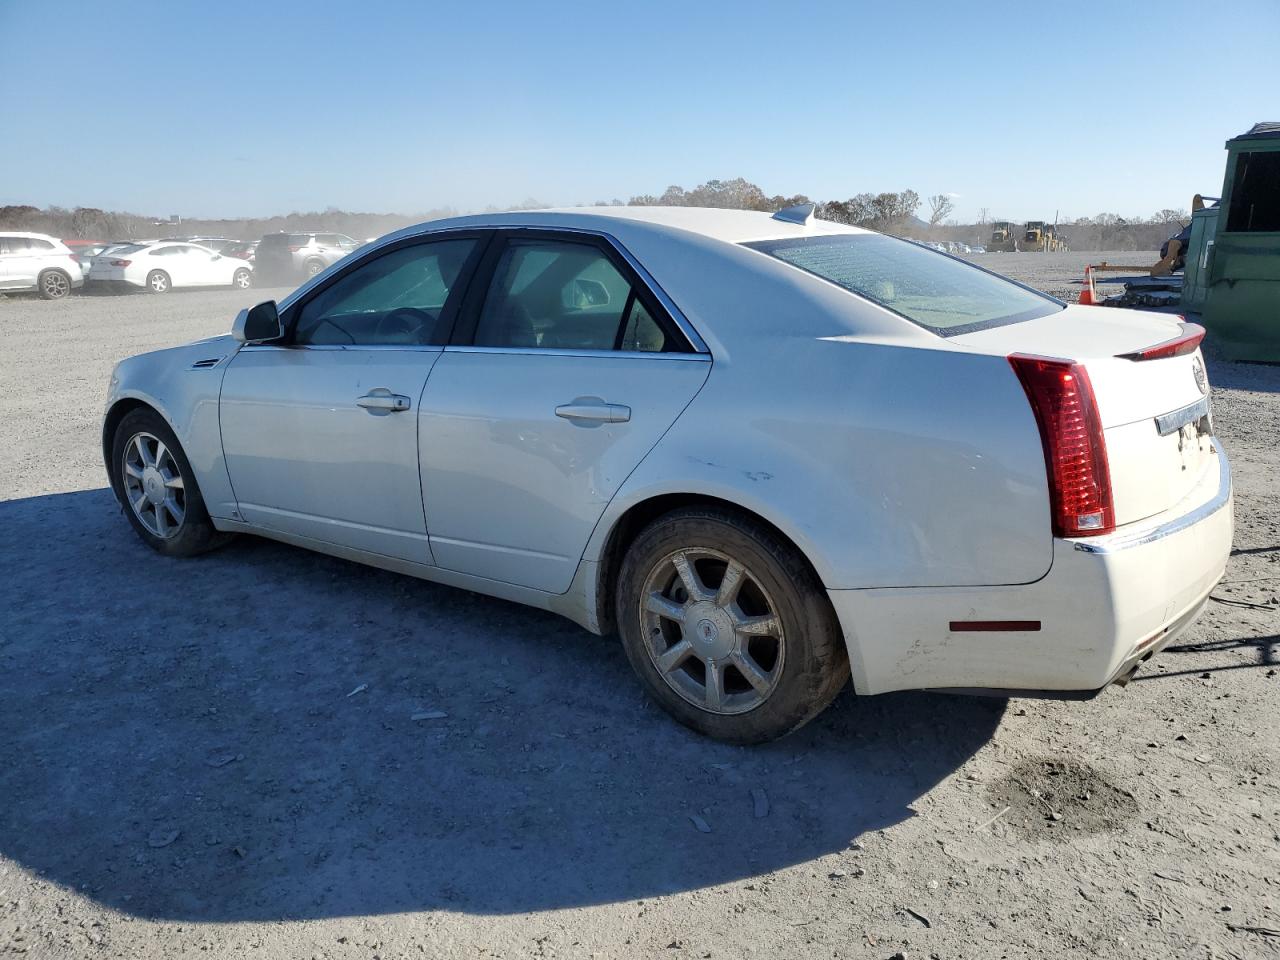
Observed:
{"x":382,"y":399}
{"x":589,"y":410}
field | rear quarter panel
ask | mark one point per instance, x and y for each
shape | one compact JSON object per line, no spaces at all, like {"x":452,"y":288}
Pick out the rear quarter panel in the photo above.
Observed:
{"x":888,"y":465}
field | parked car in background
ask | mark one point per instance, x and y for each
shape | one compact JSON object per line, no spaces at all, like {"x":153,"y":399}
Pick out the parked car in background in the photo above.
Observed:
{"x":38,"y":262}
{"x":769,"y":452}
{"x":85,"y":251}
{"x":216,"y":244}
{"x":241,"y":249}
{"x":167,"y":265}
{"x":977,"y":248}
{"x":290,"y":257}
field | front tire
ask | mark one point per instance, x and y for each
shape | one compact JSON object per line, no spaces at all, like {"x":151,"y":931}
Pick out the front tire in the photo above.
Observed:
{"x":54,"y":285}
{"x":155,"y":485}
{"x":312,"y":268}
{"x":158,"y":282}
{"x":242,"y":279}
{"x":727,"y":626}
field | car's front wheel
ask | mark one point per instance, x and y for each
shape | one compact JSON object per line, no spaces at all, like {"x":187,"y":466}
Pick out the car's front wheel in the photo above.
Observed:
{"x":158,"y":281}
{"x":313,"y":267}
{"x":154,"y":483}
{"x":242,"y":279}
{"x":727,"y":625}
{"x":54,"y":285}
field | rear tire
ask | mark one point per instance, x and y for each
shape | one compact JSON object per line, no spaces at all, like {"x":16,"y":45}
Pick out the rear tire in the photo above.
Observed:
{"x":154,"y":482}
{"x":54,"y":285}
{"x":750,"y":653}
{"x":312,"y":268}
{"x":158,"y":282}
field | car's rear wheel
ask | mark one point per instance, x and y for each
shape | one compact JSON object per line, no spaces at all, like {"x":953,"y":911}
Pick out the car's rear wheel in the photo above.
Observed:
{"x":727,"y":625}
{"x":313,"y":267}
{"x":242,"y":279}
{"x":158,"y":281}
{"x":154,"y":483}
{"x":54,"y":285}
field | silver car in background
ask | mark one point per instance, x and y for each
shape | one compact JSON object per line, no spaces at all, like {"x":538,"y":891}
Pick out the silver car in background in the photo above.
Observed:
{"x":292,"y":257}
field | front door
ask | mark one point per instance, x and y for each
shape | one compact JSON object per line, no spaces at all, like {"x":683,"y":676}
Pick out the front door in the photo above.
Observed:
{"x":526,"y":431}
{"x":319,"y":431}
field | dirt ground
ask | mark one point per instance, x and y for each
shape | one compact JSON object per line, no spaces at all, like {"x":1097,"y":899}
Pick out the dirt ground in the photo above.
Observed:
{"x":220,"y":756}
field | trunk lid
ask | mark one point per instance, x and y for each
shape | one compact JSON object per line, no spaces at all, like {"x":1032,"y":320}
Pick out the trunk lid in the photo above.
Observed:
{"x":1154,"y":413}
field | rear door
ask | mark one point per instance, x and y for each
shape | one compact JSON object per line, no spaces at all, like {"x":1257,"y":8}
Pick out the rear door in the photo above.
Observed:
{"x":19,"y":262}
{"x":319,"y":431}
{"x":565,"y":371}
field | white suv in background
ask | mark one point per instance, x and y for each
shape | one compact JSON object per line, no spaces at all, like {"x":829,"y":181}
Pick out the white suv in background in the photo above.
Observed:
{"x":36,"y":261}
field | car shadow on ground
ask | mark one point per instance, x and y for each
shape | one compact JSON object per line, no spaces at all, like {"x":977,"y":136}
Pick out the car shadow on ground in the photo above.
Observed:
{"x":233,"y":738}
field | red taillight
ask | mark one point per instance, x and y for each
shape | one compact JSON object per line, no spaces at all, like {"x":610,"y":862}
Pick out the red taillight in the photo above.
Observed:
{"x":121,"y":263}
{"x":1186,"y":342}
{"x":1075,"y":454}
{"x":293,"y":249}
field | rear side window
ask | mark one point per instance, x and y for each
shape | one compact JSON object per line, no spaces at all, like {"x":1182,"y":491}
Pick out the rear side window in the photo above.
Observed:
{"x":563,"y":296}
{"x":14,"y":244}
{"x":932,"y":290}
{"x":40,"y":245}
{"x":1255,"y":194}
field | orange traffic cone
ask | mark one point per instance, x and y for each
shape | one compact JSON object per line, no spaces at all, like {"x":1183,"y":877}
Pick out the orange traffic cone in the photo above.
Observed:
{"x":1089,"y":295}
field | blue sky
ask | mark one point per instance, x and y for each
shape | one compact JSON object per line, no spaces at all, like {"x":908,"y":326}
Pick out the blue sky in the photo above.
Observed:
{"x":252,"y":108}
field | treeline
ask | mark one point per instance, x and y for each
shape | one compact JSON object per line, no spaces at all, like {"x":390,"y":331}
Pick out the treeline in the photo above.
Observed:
{"x":893,"y":213}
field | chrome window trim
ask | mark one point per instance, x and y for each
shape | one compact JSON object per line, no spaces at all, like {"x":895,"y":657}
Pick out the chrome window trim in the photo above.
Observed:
{"x":682,"y":322}
{"x":1138,"y":538}
{"x":583,"y":352}
{"x":406,"y":347}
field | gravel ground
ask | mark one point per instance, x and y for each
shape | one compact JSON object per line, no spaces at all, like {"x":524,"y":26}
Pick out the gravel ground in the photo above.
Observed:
{"x":219,"y":755}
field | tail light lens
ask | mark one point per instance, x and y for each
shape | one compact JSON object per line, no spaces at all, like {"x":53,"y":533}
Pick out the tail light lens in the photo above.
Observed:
{"x":1075,"y":453}
{"x":121,"y":263}
{"x":293,"y":249}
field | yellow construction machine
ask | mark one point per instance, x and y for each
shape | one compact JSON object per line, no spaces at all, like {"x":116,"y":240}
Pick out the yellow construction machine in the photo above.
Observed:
{"x":1041,"y":237}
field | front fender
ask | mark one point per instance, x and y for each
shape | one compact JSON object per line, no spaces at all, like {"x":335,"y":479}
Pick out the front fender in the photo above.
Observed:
{"x":182,"y":384}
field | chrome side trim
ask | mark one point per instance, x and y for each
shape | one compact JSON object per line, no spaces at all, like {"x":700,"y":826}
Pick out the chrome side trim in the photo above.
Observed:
{"x":1175,"y":420}
{"x":1138,"y":538}
{"x":355,"y":347}
{"x":551,"y":352}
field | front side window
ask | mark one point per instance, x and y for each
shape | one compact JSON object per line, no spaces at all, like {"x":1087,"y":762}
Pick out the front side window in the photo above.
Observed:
{"x":397,"y":298}
{"x":937,"y":292}
{"x":559,"y":295}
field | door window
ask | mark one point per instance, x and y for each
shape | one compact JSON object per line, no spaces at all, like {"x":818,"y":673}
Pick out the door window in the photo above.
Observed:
{"x":396,"y":298}
{"x":566,"y":296}
{"x":14,"y":245}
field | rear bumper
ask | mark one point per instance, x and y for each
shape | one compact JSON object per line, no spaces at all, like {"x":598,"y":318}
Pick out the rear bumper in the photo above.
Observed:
{"x":1106,"y":605}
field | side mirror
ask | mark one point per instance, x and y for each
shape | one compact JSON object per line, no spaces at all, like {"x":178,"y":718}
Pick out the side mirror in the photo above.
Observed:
{"x":216,"y":256}
{"x":258,"y":323}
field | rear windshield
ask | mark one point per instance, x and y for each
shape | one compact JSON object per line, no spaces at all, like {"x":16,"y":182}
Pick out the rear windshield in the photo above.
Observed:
{"x":285,"y":239}
{"x":932,"y":290}
{"x":127,"y":248}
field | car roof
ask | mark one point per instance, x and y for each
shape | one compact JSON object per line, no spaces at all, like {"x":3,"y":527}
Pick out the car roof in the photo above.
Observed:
{"x":30,"y":233}
{"x":729,"y":226}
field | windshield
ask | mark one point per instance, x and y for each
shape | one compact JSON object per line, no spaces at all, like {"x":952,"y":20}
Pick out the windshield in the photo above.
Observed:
{"x":934,"y":291}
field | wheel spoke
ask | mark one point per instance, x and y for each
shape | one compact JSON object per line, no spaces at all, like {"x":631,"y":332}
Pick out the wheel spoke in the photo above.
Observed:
{"x":673,"y":657}
{"x":144,"y":455}
{"x":715,"y":684}
{"x":693,"y":584}
{"x":162,"y":453}
{"x":729,"y":586}
{"x":766,"y":626}
{"x":139,"y":503}
{"x":751,"y":671}
{"x":162,"y":522}
{"x":173,"y":508}
{"x":174,"y":482}
{"x":132,"y":470}
{"x":664,"y":607}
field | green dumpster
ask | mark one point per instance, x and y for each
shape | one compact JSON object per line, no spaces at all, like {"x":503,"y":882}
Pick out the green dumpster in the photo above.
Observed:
{"x":1242,"y":288}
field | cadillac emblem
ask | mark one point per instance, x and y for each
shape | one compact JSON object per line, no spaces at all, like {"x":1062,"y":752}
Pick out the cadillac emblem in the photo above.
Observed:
{"x":1197,"y":371}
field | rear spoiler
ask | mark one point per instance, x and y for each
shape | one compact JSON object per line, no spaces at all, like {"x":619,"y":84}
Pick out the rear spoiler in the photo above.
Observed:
{"x":1188,"y":341}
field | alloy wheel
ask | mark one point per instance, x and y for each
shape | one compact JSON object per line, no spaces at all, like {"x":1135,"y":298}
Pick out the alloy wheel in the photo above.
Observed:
{"x":153,"y":485}
{"x":242,"y":279}
{"x":712,"y":631}
{"x":56,"y":285}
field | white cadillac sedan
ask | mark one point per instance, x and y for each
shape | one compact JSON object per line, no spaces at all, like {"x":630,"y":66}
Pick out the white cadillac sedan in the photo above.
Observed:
{"x":163,"y":266}
{"x":771,"y":453}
